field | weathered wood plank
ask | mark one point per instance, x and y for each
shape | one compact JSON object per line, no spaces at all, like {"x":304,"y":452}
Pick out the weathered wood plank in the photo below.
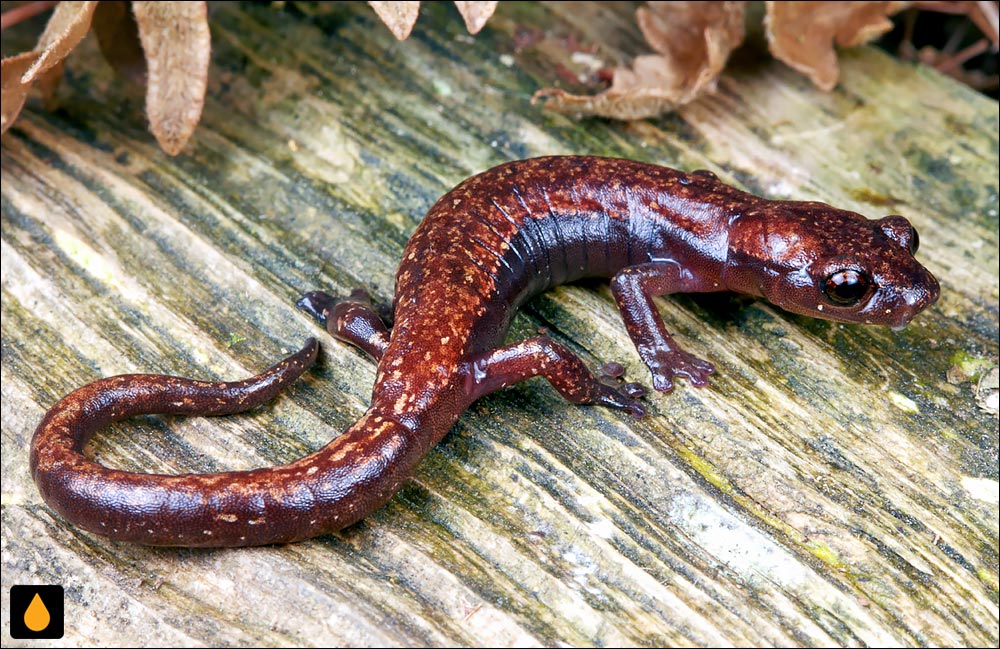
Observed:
{"x":829,"y":487}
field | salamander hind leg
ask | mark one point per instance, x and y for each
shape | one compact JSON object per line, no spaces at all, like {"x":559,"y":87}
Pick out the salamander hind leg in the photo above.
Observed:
{"x":351,"y":319}
{"x":541,"y":356}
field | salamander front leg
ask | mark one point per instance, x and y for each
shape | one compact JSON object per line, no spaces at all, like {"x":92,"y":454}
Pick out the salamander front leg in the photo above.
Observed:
{"x":541,"y":356}
{"x":351,"y":319}
{"x":634,"y":288}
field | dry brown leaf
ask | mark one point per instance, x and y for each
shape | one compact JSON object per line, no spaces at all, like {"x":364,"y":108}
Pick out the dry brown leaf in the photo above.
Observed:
{"x":67,"y":26}
{"x":48,"y":83}
{"x":694,"y":40}
{"x":802,"y":34}
{"x":13,"y":92}
{"x":475,"y":14}
{"x":177,"y":44}
{"x":118,"y":37}
{"x":399,"y":17}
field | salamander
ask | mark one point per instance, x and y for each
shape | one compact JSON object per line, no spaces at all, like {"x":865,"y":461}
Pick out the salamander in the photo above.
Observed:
{"x":485,"y":247}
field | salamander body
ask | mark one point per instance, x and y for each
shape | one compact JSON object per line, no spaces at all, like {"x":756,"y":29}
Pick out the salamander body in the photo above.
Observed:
{"x":486,"y":247}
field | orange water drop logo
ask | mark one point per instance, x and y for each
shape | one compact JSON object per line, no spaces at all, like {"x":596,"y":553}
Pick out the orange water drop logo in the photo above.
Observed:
{"x":37,"y":617}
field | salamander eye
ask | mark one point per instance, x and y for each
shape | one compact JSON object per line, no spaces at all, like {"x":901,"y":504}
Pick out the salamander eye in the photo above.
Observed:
{"x":845,"y":287}
{"x":914,"y":241}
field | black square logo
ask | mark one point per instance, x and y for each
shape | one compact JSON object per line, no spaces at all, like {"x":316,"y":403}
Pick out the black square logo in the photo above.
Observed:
{"x":36,"y":612}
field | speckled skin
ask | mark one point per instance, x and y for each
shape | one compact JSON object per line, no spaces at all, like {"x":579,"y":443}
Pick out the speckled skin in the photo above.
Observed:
{"x":486,"y":246}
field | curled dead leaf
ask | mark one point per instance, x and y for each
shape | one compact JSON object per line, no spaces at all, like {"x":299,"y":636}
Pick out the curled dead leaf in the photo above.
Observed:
{"x":399,"y":17}
{"x":118,"y":37}
{"x":13,"y":92}
{"x":475,"y":14}
{"x":802,"y":34}
{"x":48,"y":83}
{"x":177,"y":43}
{"x":694,"y":40}
{"x":69,"y":23}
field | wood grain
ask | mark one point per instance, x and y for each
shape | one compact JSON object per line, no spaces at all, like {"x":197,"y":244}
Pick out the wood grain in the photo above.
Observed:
{"x":830,"y":487}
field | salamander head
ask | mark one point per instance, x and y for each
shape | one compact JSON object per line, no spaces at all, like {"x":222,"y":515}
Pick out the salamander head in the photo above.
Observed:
{"x":816,"y":260}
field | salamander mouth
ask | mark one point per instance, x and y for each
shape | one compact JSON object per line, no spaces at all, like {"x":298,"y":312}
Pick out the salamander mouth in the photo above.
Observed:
{"x":908,"y":311}
{"x":913,"y":300}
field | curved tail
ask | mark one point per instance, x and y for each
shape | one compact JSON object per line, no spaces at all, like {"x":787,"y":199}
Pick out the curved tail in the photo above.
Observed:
{"x":323,"y":492}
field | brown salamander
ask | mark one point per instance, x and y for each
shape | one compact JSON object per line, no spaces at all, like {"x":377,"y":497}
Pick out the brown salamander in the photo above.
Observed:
{"x":485,"y":248}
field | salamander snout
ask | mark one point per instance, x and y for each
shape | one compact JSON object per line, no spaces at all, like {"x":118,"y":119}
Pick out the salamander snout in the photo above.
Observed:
{"x":913,"y":299}
{"x":872,"y":275}
{"x":846,"y":271}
